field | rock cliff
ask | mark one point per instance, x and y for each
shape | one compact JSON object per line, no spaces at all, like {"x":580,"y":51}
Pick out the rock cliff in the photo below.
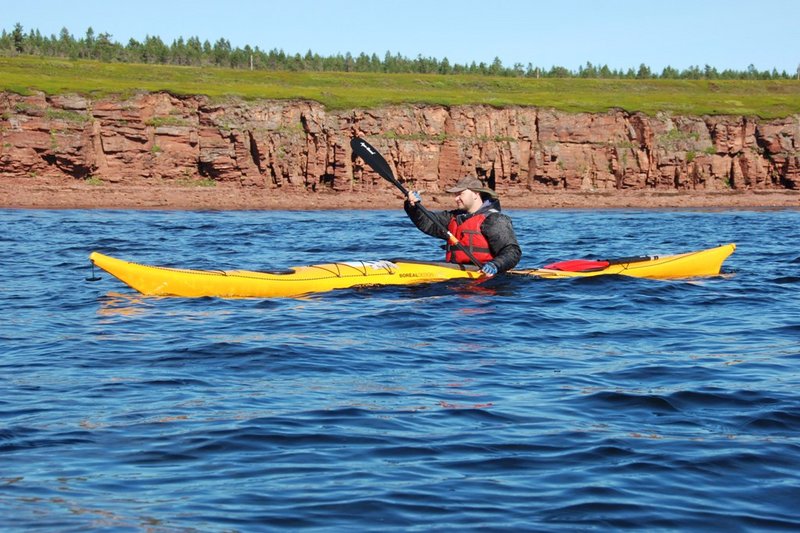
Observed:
{"x":159,"y":138}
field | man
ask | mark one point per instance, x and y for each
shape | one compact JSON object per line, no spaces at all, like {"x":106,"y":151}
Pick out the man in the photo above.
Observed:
{"x":476,"y":222}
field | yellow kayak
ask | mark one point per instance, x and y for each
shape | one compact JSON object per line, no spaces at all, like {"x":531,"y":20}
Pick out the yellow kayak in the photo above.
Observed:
{"x":301,"y":280}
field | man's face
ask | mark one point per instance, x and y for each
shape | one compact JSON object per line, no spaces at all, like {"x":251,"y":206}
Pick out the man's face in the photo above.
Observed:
{"x":469,"y":201}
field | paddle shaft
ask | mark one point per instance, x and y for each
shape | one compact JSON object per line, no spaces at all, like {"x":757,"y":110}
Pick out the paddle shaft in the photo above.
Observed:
{"x":376,"y":161}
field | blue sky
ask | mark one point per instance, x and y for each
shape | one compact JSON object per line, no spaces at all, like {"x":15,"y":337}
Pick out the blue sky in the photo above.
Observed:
{"x":619,"y":33}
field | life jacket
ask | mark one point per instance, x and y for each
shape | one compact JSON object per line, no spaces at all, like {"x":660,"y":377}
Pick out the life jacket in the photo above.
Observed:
{"x":468,"y":233}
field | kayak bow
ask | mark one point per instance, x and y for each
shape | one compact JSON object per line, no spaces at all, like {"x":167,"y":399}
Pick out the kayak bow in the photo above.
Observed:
{"x":297,"y":281}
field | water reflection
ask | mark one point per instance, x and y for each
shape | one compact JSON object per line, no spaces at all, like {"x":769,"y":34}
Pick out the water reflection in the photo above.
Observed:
{"x":122,"y":304}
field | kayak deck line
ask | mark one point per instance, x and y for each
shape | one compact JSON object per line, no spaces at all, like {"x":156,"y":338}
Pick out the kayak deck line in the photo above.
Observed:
{"x":390,"y":268}
{"x":302,"y":280}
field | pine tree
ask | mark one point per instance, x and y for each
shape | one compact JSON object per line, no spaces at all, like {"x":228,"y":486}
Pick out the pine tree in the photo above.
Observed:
{"x":18,"y":37}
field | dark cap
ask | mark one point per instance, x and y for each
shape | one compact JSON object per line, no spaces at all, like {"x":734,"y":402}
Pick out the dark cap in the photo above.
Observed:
{"x":473,"y":184}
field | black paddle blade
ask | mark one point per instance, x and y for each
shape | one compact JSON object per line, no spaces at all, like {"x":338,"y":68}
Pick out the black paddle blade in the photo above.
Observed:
{"x":375,"y":160}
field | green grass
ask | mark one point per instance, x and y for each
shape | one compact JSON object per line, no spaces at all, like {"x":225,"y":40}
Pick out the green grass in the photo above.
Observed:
{"x":205,"y":182}
{"x":765,"y":99}
{"x":157,"y":122}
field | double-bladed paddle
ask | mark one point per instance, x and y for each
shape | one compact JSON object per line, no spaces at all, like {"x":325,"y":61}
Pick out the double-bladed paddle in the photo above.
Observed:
{"x":374,"y":159}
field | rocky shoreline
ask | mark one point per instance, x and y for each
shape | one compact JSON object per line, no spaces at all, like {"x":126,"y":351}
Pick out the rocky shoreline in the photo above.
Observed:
{"x":28,"y":193}
{"x":161,"y":151}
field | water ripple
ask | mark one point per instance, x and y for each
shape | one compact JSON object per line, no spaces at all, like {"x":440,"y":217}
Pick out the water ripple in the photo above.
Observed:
{"x":519,"y":404}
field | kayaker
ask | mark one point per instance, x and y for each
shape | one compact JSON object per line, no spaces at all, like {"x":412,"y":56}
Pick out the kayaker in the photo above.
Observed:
{"x":477,"y":223}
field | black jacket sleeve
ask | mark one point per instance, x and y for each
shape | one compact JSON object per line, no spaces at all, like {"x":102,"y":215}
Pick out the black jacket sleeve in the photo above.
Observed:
{"x":499,"y":232}
{"x":425,"y":225}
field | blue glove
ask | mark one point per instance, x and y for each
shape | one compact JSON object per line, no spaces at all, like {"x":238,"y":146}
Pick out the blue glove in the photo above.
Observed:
{"x":414,"y":197}
{"x":489,"y":269}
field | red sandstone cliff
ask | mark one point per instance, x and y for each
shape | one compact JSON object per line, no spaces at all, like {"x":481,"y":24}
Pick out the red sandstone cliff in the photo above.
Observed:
{"x":298,"y":145}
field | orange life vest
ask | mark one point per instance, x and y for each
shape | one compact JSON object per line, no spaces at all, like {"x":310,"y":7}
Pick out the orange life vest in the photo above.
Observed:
{"x":470,"y":237}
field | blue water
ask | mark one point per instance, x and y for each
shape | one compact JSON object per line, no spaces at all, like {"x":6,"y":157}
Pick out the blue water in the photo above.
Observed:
{"x":597,"y":404}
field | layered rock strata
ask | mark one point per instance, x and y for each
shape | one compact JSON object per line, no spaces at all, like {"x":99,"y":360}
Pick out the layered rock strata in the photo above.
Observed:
{"x":158,"y":138}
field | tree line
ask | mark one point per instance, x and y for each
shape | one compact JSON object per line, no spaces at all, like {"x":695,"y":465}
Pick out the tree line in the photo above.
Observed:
{"x":193,"y":52}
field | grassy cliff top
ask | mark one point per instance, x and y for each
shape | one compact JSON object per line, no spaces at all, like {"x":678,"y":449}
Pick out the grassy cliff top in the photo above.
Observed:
{"x":341,"y":90}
